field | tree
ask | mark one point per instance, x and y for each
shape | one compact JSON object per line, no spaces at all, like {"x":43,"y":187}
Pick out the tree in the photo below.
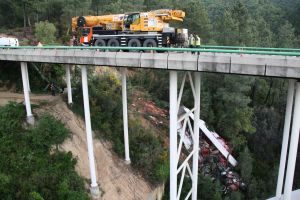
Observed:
{"x":35,"y":196}
{"x":226,"y":30}
{"x":207,"y":189}
{"x":262,"y":34}
{"x":196,"y":20}
{"x":246,"y":165}
{"x":45,"y":32}
{"x":32,"y":170}
{"x":229,"y":103}
{"x":241,"y":16}
{"x":286,"y":36}
{"x":157,"y":4}
{"x":53,"y":131}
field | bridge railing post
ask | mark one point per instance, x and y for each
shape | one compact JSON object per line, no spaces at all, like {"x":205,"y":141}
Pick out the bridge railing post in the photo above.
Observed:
{"x":293,"y":147}
{"x":286,"y":134}
{"x":69,"y":88}
{"x":125,"y":115}
{"x":30,"y":118}
{"x":173,"y":135}
{"x":94,"y":186}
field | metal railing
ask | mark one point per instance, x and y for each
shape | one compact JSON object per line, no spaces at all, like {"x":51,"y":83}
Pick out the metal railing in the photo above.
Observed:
{"x":201,"y":49}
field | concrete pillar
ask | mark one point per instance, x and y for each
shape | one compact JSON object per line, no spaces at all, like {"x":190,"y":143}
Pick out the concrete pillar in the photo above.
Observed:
{"x":196,"y":135}
{"x":125,"y":115}
{"x":173,"y":135}
{"x":27,"y":77}
{"x":30,"y":118}
{"x":293,"y":147}
{"x":285,"y":138}
{"x":68,"y":80}
{"x":94,"y":186}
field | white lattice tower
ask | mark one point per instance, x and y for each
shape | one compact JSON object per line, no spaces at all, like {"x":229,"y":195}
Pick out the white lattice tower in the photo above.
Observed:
{"x":186,"y":165}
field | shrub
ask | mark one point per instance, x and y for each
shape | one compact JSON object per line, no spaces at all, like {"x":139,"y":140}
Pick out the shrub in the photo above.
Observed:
{"x":54,"y":133}
{"x":45,"y":32}
{"x":10,"y":117}
{"x":27,"y":169}
{"x":147,"y":153}
{"x":35,"y":196}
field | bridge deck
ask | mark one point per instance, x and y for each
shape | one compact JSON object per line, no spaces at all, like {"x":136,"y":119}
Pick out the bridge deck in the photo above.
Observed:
{"x":261,"y":63}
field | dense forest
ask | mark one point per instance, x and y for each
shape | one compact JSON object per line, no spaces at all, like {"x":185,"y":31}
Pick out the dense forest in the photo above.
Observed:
{"x":247,"y":111}
{"x":266,"y":23}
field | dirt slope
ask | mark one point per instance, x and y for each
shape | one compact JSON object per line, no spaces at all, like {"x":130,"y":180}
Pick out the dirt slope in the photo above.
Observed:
{"x":117,"y":180}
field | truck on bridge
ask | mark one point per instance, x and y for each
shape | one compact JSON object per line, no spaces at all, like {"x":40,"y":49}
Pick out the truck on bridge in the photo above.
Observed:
{"x":136,"y":29}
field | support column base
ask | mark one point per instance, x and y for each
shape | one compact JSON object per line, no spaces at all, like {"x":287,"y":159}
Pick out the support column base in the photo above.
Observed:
{"x":95,"y":192}
{"x":127,"y":162}
{"x":70,"y":104}
{"x":30,"y":119}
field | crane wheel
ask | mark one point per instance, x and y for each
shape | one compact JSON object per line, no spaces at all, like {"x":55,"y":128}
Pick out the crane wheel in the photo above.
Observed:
{"x":134,"y":43}
{"x":150,"y":43}
{"x":100,"y":43}
{"x":113,"y":43}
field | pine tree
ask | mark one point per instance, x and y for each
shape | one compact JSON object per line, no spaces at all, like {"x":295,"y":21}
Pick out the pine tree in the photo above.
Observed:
{"x":246,"y":165}
{"x":226,"y":30}
{"x":286,"y":36}
{"x":196,"y":20}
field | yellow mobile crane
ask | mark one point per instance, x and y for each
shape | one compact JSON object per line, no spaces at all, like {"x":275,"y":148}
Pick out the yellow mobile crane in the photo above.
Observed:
{"x":147,"y":29}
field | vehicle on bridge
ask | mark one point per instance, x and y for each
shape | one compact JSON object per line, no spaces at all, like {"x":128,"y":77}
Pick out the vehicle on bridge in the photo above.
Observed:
{"x":137,"y":29}
{"x":8,"y":41}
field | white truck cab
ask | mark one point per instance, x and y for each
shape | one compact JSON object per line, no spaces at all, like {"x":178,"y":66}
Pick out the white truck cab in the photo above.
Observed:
{"x":11,"y":42}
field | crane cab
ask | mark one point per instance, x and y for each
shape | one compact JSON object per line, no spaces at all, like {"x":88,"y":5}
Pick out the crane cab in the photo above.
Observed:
{"x":131,"y":22}
{"x":86,"y":35}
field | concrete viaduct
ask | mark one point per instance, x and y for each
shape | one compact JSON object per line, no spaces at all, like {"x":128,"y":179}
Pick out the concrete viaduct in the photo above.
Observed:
{"x":271,"y":62}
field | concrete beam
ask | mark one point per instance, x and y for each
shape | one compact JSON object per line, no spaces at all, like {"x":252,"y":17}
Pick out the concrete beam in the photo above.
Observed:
{"x":154,"y":60}
{"x":258,"y":65}
{"x":182,"y":61}
{"x":125,"y":59}
{"x":64,"y":56}
{"x":83,"y":57}
{"x":47,"y":56}
{"x":246,"y":64}
{"x":105,"y":58}
{"x":210,"y":62}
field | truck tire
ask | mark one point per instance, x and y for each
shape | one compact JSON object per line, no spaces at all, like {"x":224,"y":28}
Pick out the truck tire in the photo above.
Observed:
{"x":134,"y":43}
{"x":113,"y":43}
{"x":100,"y":43}
{"x":150,"y":43}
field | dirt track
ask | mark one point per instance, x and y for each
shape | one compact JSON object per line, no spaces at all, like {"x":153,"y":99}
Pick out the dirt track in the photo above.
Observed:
{"x":117,"y":180}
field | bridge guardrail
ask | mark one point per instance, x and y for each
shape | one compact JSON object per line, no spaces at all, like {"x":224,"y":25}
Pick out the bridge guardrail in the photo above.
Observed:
{"x":208,"y":49}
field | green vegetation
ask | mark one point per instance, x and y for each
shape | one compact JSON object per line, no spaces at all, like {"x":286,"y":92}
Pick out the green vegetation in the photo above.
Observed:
{"x":27,"y":168}
{"x":269,"y":23}
{"x":246,"y":111}
{"x":39,"y":75}
{"x":45,"y":32}
{"x":146,"y":150}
